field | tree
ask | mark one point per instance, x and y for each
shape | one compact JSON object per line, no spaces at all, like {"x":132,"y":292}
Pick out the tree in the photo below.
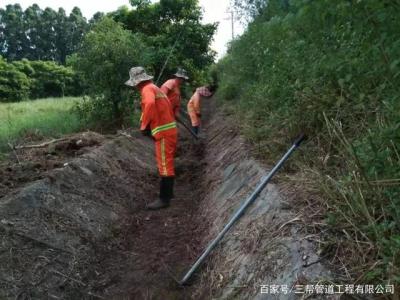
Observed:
{"x":248,"y":10}
{"x":14,"y":85}
{"x":139,"y":3}
{"x":47,"y":78}
{"x":61,"y":36}
{"x":78,"y":26}
{"x":171,"y":27}
{"x":107,"y":53}
{"x":96,"y":18}
{"x":13,"y":37}
{"x":46,"y":44}
{"x":32,"y":20}
{"x":50,"y":79}
{"x":40,"y":34}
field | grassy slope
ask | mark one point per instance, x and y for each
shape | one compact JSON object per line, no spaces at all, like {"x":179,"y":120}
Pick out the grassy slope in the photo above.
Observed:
{"x":43,"y":117}
{"x":331,"y":69}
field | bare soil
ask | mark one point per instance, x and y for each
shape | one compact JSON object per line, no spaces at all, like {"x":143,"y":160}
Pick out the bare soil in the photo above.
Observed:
{"x":73,"y":223}
{"x":95,"y":239}
{"x":30,"y":164}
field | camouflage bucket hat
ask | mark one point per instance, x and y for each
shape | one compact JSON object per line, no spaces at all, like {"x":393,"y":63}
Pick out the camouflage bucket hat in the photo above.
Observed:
{"x":181,"y":73}
{"x":137,"y":75}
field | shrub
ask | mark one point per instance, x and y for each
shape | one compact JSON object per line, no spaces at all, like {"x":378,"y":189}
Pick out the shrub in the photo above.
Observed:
{"x":108,"y":52}
{"x":14,"y":85}
{"x":24,"y":79}
{"x":49,"y":79}
{"x":331,"y":69}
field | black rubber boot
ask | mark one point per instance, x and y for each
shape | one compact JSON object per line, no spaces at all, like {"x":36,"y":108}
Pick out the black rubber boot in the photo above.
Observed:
{"x":158,"y":204}
{"x":166,"y":194}
{"x":168,"y":190}
{"x":195,"y":129}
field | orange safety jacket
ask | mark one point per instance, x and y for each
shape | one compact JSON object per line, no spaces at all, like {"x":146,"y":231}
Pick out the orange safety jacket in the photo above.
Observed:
{"x":156,"y":112}
{"x":172,"y":88}
{"x":193,"y":108}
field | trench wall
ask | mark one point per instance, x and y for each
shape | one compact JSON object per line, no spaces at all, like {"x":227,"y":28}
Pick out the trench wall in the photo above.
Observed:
{"x":267,"y":246}
{"x":59,"y":234}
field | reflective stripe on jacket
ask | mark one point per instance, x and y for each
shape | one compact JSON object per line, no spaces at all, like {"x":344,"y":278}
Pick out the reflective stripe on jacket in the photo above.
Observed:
{"x":156,"y":112}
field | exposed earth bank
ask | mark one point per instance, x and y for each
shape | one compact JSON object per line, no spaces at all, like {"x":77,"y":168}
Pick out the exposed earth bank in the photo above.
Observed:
{"x":73,"y":223}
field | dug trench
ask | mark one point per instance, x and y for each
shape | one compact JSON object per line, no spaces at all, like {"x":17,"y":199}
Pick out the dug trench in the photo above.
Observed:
{"x":73,"y":223}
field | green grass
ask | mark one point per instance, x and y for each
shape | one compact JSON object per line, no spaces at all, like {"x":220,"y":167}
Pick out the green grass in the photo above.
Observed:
{"x":51,"y":117}
{"x":330,"y":69}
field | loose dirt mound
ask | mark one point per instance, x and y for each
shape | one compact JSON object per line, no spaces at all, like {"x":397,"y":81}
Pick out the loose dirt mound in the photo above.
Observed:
{"x":30,"y":164}
{"x":58,"y":230}
{"x":74,"y":225}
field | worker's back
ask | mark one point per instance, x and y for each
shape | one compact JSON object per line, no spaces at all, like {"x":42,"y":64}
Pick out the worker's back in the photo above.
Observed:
{"x":172,"y":89}
{"x":161,"y":117}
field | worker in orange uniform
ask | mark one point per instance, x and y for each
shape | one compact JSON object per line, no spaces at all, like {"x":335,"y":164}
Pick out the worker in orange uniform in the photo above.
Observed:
{"x":158,"y":121}
{"x":172,"y":88}
{"x":193,"y":107}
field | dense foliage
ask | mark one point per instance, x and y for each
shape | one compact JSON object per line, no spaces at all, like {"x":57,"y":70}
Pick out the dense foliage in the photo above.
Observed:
{"x":25,"y":79}
{"x":108,"y":51}
{"x":171,"y":29}
{"x":14,"y":84}
{"x":158,"y":36}
{"x":331,"y":69}
{"x":38,"y":34}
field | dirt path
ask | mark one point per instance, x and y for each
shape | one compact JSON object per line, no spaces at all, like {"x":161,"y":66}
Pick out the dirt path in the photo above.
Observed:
{"x":167,"y":242}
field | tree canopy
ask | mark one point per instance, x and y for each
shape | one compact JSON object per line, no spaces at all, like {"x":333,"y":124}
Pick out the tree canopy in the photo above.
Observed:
{"x":149,"y":34}
{"x":38,"y":34}
{"x":107,"y":53}
{"x":171,"y":26}
{"x":23,"y":79}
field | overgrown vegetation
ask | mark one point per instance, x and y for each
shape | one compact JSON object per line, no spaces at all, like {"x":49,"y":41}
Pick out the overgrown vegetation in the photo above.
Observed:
{"x":105,"y":69}
{"x":20,"y":80}
{"x":36,"y":119}
{"x":32,"y":45}
{"x":40,"y":34}
{"x":171,"y":30}
{"x":158,"y":36}
{"x":331,"y":69}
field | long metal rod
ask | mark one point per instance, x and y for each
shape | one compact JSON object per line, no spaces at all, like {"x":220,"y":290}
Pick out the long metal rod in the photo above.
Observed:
{"x":187,"y":128}
{"x":169,"y":56}
{"x":241,"y":210}
{"x":184,"y":111}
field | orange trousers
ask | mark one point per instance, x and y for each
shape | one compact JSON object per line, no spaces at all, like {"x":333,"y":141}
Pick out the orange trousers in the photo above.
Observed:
{"x":165,"y":153}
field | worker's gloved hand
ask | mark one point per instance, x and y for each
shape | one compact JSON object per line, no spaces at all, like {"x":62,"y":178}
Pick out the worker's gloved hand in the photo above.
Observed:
{"x":146,"y":132}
